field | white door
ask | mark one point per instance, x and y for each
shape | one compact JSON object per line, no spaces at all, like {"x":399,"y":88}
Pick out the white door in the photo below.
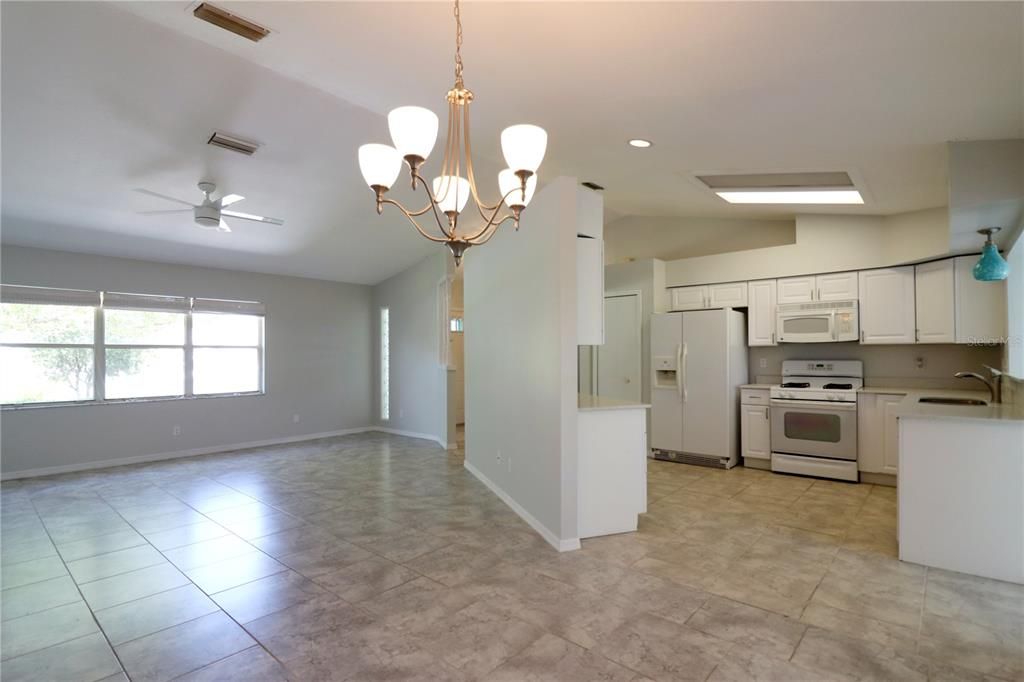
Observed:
{"x":890,"y":432}
{"x":761,"y":313}
{"x":689,"y":298}
{"x":887,"y":305}
{"x":666,"y":394}
{"x":981,"y":311}
{"x":934,"y":302}
{"x":706,"y":389}
{"x":755,"y":431}
{"x":836,"y":286}
{"x":796,"y":289}
{"x":618,"y":359}
{"x":731,"y":295}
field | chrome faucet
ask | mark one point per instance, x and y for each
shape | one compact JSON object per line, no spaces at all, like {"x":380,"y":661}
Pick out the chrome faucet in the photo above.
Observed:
{"x":994,"y":385}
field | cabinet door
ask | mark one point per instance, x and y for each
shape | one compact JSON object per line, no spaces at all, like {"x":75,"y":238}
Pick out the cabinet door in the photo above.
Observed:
{"x":980,"y":306}
{"x":837,"y":286}
{"x":689,"y":298}
{"x":755,"y":431}
{"x":887,"y":305}
{"x":589,"y":291}
{"x":761,"y":313}
{"x":890,"y":432}
{"x":870,"y":457}
{"x":934,"y":302}
{"x":796,"y":289}
{"x":731,"y":295}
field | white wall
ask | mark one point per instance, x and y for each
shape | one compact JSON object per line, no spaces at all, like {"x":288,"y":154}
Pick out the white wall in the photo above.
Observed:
{"x":318,"y":360}
{"x":671,"y":238}
{"x":520,"y":355}
{"x":825,"y":243}
{"x":884,"y":365}
{"x":418,"y":379}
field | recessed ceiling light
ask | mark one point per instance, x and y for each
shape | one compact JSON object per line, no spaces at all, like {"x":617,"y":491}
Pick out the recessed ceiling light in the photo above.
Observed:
{"x":639,"y":143}
{"x":801,"y":196}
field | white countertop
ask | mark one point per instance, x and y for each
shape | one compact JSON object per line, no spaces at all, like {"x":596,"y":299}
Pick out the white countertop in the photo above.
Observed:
{"x":761,"y":386}
{"x":590,"y":403}
{"x":911,"y":408}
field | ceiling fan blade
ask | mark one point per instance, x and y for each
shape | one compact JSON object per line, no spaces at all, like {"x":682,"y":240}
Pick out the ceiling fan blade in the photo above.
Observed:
{"x":255,"y":218}
{"x":163,"y":196}
{"x":229,"y":199}
{"x":170,"y":210}
{"x":223,"y":226}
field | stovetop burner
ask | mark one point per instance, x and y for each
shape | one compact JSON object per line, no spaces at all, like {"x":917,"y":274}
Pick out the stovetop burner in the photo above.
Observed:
{"x":796,"y":384}
{"x":844,"y":387}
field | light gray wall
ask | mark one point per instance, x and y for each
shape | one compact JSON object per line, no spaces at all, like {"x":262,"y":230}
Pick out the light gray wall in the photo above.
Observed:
{"x":318,"y":365}
{"x":672,"y":238}
{"x":520,"y":346}
{"x":884,"y":365}
{"x":418,"y":380}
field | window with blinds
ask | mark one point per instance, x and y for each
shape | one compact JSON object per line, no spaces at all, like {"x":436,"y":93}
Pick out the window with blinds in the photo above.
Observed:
{"x":60,"y":346}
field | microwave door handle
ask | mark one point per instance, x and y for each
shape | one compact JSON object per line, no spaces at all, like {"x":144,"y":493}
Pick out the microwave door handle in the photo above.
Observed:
{"x":835,"y":333}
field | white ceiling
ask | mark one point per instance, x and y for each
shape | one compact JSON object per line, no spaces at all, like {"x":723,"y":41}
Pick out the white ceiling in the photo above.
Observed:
{"x":101,"y":98}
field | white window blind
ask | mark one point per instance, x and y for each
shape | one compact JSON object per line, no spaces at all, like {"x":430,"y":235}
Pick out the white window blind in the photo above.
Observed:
{"x":215,"y":305}
{"x":10,"y":293}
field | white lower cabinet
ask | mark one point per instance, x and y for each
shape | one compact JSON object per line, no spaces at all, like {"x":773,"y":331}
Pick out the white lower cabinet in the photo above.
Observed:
{"x":878,"y":432}
{"x":755,"y":432}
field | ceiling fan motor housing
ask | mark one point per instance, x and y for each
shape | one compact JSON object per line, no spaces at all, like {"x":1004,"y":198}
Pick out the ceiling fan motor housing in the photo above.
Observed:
{"x":207,"y":217}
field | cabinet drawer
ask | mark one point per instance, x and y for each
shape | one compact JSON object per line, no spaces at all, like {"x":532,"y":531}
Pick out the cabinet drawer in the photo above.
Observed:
{"x":753,"y":396}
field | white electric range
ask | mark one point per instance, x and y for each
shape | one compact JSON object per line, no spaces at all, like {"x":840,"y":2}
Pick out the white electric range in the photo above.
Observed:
{"x":814,"y":418}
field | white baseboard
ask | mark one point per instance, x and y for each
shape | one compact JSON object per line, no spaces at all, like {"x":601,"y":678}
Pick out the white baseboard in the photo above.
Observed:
{"x":142,"y":459}
{"x":411,"y":434}
{"x":558,"y":543}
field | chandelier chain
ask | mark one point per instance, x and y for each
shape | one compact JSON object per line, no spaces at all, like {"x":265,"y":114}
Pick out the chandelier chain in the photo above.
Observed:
{"x":458,"y":45}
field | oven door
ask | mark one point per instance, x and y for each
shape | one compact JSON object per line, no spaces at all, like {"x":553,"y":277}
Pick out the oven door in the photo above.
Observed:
{"x":818,"y":327}
{"x":815,"y":428}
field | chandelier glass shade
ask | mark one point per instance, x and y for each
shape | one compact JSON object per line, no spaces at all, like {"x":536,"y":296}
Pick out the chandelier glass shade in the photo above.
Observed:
{"x":414,"y":134}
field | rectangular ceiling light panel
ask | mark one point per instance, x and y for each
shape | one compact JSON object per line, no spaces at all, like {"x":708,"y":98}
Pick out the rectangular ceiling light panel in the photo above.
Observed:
{"x":809,"y":196}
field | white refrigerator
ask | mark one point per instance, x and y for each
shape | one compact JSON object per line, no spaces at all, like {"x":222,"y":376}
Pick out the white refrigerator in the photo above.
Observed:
{"x":698,"y":361}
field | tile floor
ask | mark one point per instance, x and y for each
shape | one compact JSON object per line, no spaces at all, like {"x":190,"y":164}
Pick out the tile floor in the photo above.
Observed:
{"x":377,"y":557}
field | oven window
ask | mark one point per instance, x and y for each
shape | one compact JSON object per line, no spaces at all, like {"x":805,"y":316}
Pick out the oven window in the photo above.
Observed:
{"x":805,"y":325}
{"x":812,"y":426}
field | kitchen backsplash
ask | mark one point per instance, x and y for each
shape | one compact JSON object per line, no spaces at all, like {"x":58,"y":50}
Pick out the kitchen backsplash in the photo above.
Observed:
{"x":910,"y":366}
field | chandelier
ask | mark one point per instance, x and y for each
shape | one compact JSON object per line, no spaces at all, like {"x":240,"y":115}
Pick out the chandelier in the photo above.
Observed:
{"x":414,"y":131}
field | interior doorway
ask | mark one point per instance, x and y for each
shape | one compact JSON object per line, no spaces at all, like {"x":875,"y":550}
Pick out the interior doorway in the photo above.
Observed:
{"x":457,"y":361}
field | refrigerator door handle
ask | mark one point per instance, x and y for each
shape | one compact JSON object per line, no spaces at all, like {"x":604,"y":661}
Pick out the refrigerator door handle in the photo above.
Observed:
{"x":679,"y":370}
{"x":682,"y":381}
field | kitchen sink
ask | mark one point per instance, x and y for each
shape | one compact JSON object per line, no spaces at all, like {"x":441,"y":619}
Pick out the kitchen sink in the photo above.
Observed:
{"x":952,"y":401}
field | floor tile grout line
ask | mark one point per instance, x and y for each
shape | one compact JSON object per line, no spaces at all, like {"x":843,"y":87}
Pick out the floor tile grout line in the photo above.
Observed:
{"x":88,"y":607}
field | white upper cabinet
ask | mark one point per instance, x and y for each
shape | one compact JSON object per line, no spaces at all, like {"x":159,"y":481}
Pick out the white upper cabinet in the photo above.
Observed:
{"x":887,"y":305}
{"x":730,"y":295}
{"x":935,"y":302}
{"x":980,"y":306}
{"x":688,"y":298}
{"x":796,"y":289}
{"x":589,"y":291}
{"x":836,"y":286}
{"x":761,"y":313}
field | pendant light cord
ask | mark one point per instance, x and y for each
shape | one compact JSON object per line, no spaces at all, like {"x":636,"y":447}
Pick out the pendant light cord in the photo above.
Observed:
{"x":458,"y":46}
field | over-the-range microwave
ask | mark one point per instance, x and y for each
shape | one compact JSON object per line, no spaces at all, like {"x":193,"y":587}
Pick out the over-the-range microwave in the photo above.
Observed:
{"x":818,"y":322}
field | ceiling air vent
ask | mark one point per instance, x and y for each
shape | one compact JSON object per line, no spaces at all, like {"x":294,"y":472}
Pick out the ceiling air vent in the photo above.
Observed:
{"x":592,"y":185}
{"x":230,"y":22}
{"x":235,"y":144}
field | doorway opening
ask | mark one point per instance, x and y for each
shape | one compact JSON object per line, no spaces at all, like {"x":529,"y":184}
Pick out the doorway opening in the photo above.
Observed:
{"x":613,"y":370}
{"x":457,"y":361}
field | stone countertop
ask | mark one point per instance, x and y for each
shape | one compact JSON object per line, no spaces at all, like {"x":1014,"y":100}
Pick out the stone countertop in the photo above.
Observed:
{"x":911,"y":408}
{"x":764,"y":387}
{"x":590,"y":403}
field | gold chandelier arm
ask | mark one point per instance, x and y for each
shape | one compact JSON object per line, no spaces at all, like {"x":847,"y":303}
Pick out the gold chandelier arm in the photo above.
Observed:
{"x":412,"y":220}
{"x":494,"y":214}
{"x":481,"y":206}
{"x":433,"y":205}
{"x":476,"y":241}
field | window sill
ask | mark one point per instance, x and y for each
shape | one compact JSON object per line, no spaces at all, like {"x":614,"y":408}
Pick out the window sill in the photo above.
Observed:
{"x":127,"y":401}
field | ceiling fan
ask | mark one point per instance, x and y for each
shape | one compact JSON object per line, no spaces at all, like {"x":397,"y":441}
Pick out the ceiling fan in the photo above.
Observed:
{"x":210,"y":214}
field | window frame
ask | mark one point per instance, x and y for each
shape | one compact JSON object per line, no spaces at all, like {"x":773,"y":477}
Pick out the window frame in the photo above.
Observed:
{"x":99,"y":348}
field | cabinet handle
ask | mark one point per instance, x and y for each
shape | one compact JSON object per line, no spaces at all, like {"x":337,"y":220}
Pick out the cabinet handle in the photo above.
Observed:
{"x":862,"y":336}
{"x":773,"y":338}
{"x":819,"y":293}
{"x":766,"y":413}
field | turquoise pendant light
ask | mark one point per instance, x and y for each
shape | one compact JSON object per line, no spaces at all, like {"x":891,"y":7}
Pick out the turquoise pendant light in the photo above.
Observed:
{"x":990,"y":267}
